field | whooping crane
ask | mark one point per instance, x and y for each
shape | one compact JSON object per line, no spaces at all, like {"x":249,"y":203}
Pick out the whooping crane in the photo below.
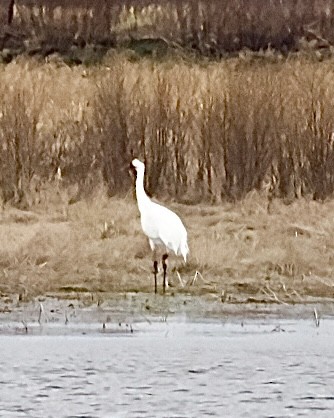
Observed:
{"x":162,"y":226}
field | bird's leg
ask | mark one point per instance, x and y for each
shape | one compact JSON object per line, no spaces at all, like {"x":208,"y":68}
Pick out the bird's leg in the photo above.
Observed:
{"x":164,"y":266}
{"x":155,"y":266}
{"x":155,"y":271}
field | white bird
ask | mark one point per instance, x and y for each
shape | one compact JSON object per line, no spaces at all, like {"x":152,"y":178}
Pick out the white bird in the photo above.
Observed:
{"x":162,"y":226}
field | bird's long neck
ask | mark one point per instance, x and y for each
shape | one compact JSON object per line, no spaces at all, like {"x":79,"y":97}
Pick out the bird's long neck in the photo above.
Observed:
{"x":142,"y":197}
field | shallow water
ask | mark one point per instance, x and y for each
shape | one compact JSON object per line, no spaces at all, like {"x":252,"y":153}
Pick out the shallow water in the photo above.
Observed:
{"x":171,"y":369}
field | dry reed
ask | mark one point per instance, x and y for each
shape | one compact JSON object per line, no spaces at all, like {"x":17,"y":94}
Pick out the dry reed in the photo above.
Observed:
{"x":207,"y":131}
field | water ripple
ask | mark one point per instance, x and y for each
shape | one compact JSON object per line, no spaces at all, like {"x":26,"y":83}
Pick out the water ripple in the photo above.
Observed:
{"x":230,"y":373}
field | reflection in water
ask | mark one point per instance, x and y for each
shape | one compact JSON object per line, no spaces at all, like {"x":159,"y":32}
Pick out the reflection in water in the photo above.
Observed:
{"x":171,"y":370}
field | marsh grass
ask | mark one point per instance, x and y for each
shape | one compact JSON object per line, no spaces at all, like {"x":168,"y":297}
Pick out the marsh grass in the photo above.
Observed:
{"x":207,"y":131}
{"x":239,"y":251}
{"x":241,"y":139}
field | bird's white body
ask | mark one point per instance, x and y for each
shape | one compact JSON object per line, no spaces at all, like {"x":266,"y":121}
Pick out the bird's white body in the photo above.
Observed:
{"x":162,"y":226}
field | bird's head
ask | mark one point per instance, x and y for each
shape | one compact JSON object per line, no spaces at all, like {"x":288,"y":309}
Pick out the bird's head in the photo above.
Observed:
{"x":137,"y":166}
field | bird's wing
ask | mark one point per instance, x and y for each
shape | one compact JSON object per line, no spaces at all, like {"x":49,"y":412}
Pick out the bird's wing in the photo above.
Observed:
{"x":170,"y":229}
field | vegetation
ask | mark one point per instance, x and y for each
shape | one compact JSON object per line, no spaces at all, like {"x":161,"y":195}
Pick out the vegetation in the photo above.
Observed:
{"x":247,"y":135}
{"x":213,"y":28}
{"x":241,"y":253}
{"x":207,"y":131}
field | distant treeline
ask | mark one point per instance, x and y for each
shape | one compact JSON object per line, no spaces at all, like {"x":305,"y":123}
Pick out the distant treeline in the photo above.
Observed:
{"x":211,"y":27}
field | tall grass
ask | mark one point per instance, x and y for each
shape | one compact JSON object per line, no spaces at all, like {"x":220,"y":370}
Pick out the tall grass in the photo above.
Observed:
{"x":224,"y":129}
{"x":207,"y":131}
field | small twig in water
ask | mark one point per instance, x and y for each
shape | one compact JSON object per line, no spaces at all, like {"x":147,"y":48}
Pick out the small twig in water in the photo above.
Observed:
{"x":283,"y":286}
{"x":25,"y":326}
{"x":105,"y":231}
{"x":316,"y":317}
{"x":278,"y":329}
{"x":180,"y":278}
{"x":164,"y":317}
{"x":41,"y":310}
{"x":194,"y":279}
{"x":146,"y":319}
{"x":274,"y":295}
{"x":197,"y":274}
{"x":292,"y":294}
{"x":223,"y":296}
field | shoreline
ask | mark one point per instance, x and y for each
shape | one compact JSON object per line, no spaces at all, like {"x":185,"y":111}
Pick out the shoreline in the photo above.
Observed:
{"x":126,"y":314}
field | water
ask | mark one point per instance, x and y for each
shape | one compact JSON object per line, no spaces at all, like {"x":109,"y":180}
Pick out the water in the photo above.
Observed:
{"x":173,"y":369}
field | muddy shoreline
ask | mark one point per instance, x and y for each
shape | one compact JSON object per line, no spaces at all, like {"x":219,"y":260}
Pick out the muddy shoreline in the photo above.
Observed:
{"x":122,"y":313}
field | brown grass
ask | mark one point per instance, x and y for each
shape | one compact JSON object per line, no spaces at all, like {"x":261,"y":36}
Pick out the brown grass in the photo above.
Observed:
{"x":242,"y":252}
{"x":207,"y":131}
{"x":238,"y":134}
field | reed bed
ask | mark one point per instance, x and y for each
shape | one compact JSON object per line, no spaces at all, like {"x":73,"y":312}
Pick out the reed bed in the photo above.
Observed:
{"x":244,"y":137}
{"x":207,"y":131}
